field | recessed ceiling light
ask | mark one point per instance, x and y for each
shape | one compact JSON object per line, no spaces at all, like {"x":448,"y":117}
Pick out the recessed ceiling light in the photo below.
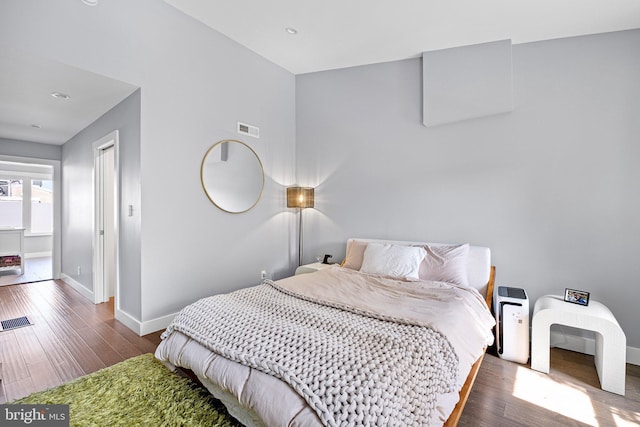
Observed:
{"x":291,"y":31}
{"x":60,"y":95}
{"x":90,"y":2}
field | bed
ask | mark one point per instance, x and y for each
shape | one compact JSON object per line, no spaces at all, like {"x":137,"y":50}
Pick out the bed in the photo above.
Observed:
{"x":392,"y":336}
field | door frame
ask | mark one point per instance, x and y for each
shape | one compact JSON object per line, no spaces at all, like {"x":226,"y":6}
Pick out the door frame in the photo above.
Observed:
{"x":99,"y":285}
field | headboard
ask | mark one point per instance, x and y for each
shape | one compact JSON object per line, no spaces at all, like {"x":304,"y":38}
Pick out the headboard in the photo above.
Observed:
{"x":480,"y":272}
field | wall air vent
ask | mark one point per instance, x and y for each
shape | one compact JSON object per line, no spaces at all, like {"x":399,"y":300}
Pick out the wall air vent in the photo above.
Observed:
{"x":249,"y":130}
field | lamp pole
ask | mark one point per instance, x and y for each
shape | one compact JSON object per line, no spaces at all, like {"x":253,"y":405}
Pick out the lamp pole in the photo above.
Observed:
{"x":300,"y":197}
{"x":299,"y":237}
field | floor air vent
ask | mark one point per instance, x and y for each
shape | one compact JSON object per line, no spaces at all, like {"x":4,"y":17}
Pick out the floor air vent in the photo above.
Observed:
{"x":18,"y":322}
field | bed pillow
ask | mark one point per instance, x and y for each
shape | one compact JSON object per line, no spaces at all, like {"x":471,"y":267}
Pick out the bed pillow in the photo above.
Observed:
{"x":355,"y":253}
{"x":393,"y":260}
{"x":446,"y":264}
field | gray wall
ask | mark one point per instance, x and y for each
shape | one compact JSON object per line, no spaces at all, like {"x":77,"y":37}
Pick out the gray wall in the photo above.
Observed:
{"x":552,"y":187}
{"x":11,"y":147}
{"x":195,"y":85}
{"x":78,"y":202}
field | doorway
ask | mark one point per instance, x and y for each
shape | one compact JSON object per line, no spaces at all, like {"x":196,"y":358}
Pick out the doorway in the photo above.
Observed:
{"x":105,"y":254}
{"x":29,"y":203}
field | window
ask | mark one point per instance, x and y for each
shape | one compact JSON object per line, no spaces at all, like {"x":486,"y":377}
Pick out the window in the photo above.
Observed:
{"x":26,"y":197}
{"x":41,"y":206}
{"x":11,"y":202}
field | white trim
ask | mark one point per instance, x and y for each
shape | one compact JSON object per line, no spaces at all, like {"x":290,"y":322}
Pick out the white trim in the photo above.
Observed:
{"x":21,"y":169}
{"x":587,"y":346}
{"x":127,"y":320}
{"x":26,"y":203}
{"x":156,"y":324}
{"x":143,"y":328}
{"x":77,"y":286}
{"x":37,"y":255}
{"x":140,"y":328}
{"x":37,"y":234}
{"x":633,"y":355}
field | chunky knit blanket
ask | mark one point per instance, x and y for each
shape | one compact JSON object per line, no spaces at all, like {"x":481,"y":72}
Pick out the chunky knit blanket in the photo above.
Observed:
{"x":352,"y":367}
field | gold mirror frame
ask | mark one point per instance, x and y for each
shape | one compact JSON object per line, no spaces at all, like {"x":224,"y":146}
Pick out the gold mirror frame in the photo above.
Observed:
{"x":228,"y":154}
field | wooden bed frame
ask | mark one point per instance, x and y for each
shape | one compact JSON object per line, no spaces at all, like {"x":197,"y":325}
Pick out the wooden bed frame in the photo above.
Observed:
{"x":453,"y":419}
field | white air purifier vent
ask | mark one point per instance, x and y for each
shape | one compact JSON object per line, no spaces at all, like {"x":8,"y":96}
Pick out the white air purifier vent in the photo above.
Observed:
{"x":249,"y":130}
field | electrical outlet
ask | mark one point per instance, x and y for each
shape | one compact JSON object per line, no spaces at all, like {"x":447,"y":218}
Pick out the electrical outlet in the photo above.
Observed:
{"x":264,"y":274}
{"x":79,"y":271}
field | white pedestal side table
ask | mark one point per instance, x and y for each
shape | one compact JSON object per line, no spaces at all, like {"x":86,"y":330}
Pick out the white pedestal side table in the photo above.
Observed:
{"x":611,"y":342}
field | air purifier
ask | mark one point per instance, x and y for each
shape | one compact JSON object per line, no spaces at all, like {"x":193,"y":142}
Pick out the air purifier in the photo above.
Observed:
{"x":511,"y":307}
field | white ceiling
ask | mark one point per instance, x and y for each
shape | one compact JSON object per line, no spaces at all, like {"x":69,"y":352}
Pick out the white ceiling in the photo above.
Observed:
{"x":344,"y":33}
{"x":26,"y":84}
{"x":331,"y":34}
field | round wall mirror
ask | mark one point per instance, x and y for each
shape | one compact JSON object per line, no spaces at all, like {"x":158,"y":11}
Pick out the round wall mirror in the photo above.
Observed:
{"x":232,"y":176}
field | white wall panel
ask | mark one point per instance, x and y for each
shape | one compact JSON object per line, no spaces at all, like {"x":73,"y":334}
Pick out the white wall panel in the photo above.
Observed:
{"x":467,"y":82}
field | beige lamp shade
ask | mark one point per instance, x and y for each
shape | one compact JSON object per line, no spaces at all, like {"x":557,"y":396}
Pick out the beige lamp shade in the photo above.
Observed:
{"x":299,"y":197}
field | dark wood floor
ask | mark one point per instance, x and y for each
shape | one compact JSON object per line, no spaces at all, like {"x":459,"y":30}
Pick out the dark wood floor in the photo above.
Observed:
{"x":72,"y":337}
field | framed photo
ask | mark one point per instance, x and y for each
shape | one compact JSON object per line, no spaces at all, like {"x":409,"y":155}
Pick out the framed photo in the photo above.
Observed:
{"x":577,"y":297}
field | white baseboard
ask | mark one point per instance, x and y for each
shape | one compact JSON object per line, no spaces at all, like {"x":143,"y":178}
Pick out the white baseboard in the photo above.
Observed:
{"x":587,"y":346}
{"x":30,"y":255}
{"x":144,"y":328}
{"x":157,"y":324}
{"x":633,"y":356}
{"x":140,"y":328}
{"x":77,"y":286}
{"x":128,"y":320}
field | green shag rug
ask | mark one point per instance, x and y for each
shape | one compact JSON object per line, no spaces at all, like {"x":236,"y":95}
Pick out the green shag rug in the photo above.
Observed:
{"x":140,"y":391}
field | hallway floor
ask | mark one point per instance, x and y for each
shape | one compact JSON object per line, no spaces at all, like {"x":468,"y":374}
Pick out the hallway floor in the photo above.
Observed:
{"x":36,"y":269}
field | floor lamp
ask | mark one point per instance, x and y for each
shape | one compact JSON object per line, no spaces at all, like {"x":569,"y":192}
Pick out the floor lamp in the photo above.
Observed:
{"x":299,"y":197}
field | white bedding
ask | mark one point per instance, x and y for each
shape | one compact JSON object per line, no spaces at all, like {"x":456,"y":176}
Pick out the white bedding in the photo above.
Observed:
{"x":457,"y":312}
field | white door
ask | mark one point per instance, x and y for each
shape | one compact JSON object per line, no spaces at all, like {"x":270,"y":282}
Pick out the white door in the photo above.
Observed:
{"x":106,"y":208}
{"x":108,"y":225}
